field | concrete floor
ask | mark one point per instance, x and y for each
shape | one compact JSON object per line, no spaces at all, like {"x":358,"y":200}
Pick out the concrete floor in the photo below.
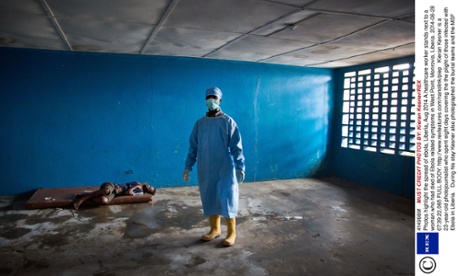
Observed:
{"x":292,"y":227}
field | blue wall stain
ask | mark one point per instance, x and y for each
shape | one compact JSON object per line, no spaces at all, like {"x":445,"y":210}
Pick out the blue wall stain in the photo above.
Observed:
{"x":72,"y":119}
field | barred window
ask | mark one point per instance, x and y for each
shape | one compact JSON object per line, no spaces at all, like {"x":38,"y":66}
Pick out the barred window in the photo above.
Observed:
{"x":378,"y":112}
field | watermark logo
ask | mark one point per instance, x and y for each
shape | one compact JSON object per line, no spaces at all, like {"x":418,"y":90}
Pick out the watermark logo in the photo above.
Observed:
{"x":427,"y":243}
{"x":427,"y":265}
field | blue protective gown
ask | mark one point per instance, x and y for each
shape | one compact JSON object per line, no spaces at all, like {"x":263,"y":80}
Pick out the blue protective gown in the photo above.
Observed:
{"x":216,"y":146}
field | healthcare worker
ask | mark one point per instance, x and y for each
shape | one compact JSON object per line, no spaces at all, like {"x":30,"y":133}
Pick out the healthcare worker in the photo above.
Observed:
{"x":215,"y":142}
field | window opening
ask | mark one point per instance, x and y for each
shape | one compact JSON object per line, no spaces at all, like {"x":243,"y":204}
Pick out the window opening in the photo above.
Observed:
{"x":378,"y":112}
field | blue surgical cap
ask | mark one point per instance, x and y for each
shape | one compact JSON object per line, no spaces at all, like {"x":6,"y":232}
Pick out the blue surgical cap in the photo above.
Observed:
{"x":214,"y":91}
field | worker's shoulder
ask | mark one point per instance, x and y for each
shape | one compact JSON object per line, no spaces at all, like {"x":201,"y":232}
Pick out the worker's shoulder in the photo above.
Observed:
{"x":227,"y":118}
{"x":224,"y":116}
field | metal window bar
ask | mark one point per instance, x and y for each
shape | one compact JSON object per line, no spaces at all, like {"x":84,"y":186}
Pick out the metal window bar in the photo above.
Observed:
{"x":372,"y":113}
{"x":379,"y":123}
{"x":410,"y":122}
{"x":395,"y":95}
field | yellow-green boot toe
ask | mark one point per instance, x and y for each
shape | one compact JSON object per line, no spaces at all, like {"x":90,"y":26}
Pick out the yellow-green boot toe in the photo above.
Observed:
{"x":231,"y":232}
{"x":214,"y":222}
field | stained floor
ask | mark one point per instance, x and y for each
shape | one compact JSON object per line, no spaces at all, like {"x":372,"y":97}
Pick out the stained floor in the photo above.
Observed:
{"x":291,"y":227}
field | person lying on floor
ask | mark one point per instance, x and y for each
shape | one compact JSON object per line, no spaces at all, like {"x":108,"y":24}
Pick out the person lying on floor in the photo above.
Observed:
{"x":109,"y":191}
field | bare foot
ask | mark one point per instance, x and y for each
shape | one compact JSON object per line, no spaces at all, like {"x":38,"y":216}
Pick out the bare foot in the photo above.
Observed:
{"x":77,"y":204}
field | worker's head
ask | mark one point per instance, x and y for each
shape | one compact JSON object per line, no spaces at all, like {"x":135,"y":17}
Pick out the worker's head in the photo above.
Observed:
{"x":213,"y":98}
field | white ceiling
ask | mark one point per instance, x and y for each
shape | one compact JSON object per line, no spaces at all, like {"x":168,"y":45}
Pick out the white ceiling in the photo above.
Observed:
{"x":322,"y":33}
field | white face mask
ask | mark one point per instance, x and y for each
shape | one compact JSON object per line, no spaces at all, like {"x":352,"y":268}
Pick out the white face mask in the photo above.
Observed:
{"x":212,"y":104}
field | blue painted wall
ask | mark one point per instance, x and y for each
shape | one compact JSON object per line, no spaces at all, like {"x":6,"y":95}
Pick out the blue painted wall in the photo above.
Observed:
{"x":391,"y":173}
{"x":71,"y":119}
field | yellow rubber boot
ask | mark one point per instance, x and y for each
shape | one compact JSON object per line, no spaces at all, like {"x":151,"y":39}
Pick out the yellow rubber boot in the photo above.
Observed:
{"x":214,"y":222}
{"x":231,"y":232}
